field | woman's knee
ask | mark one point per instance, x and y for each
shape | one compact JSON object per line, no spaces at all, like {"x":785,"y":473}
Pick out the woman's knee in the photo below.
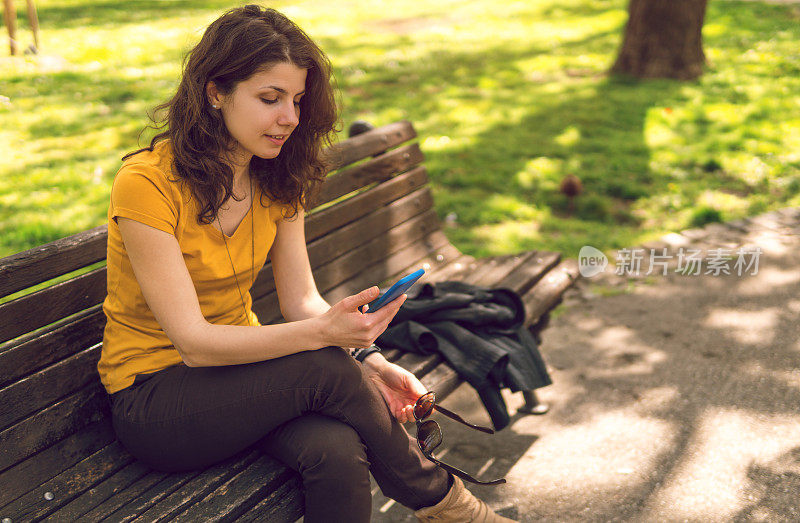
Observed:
{"x":337,"y":452}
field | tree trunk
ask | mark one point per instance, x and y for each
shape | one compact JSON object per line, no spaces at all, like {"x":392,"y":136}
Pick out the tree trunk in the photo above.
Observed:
{"x":663,"y":39}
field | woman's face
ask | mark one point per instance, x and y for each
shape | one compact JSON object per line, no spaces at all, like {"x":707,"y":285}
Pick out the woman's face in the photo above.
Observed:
{"x":263,"y":110}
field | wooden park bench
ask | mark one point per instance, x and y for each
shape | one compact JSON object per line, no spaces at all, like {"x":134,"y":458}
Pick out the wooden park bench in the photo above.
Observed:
{"x":59,"y":457}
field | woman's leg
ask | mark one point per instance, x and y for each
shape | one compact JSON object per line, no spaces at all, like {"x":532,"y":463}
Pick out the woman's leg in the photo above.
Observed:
{"x":332,"y":460}
{"x":185,"y":418}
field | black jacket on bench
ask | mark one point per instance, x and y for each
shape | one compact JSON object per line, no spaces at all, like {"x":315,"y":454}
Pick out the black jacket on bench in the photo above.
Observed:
{"x":479,"y":331}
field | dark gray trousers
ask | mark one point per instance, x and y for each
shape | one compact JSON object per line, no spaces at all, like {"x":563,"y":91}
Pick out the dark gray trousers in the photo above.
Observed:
{"x":316,"y":411}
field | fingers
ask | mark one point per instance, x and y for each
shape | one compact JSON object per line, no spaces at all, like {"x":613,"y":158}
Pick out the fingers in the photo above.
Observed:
{"x":405,"y":415}
{"x":362,"y":298}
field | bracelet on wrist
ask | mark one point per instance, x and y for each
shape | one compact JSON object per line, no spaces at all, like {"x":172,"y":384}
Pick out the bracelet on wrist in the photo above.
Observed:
{"x":361,"y":354}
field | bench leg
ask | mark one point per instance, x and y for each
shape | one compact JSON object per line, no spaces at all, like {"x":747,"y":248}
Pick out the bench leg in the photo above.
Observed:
{"x":532,"y":404}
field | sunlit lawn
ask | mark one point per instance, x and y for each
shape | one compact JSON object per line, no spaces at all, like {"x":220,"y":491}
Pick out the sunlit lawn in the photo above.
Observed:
{"x":507,"y":99}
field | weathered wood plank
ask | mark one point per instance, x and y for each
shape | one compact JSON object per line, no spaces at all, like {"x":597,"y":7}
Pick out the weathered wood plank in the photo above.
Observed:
{"x":35,"y":392}
{"x":52,"y":424}
{"x":240,"y":493}
{"x":27,"y":268}
{"x":187,"y":494}
{"x":123,"y":495}
{"x":367,"y":144}
{"x":37,"y":350}
{"x":543,"y":296}
{"x":34,"y":471}
{"x":147,"y":491}
{"x":69,"y":484}
{"x":443,"y":380}
{"x":45,"y":306}
{"x":283,"y":505}
{"x":525,"y":276}
{"x":117,"y":484}
{"x":378,"y":169}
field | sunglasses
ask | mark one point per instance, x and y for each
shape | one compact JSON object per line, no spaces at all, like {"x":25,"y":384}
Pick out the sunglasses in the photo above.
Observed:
{"x":429,"y":435}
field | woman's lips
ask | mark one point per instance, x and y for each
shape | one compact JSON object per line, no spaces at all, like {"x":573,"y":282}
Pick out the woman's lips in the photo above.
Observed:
{"x":277,"y":139}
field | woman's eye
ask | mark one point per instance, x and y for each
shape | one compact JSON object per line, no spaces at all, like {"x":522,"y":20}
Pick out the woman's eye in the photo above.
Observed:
{"x":269,"y":101}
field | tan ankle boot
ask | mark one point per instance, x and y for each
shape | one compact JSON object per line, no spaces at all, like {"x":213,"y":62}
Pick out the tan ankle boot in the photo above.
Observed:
{"x":459,"y":505}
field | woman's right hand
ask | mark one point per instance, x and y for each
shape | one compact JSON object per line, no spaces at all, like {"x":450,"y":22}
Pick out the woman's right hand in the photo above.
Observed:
{"x":346,"y":326}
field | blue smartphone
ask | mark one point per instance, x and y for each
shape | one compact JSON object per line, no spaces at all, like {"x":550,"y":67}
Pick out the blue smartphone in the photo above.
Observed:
{"x":395,"y":291}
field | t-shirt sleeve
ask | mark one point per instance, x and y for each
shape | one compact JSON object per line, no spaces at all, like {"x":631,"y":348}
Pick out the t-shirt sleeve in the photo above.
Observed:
{"x":140,"y":193}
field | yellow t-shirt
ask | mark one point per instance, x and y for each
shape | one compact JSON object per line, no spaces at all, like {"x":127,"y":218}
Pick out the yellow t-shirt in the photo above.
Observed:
{"x":133,"y":341}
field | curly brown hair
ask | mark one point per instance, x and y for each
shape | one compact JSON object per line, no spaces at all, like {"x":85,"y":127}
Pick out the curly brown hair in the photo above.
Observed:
{"x":245,"y":41}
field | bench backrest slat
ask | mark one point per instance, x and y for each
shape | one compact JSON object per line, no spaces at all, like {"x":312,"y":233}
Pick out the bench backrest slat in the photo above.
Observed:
{"x":40,"y":390}
{"x":433,"y":249}
{"x":51,"y":424}
{"x":28,"y":268}
{"x":376,"y":170}
{"x":35,"y":351}
{"x":48,"y":305}
{"x":369,"y":144}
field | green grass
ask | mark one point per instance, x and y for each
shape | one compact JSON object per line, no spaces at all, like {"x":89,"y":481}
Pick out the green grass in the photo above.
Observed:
{"x":507,"y":99}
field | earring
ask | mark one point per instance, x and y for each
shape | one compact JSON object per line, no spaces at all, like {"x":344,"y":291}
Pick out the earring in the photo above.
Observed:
{"x":215,"y":106}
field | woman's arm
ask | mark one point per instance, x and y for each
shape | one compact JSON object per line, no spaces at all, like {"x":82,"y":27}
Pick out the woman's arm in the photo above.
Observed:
{"x":168,"y":289}
{"x":169,"y":292}
{"x":298,"y":295}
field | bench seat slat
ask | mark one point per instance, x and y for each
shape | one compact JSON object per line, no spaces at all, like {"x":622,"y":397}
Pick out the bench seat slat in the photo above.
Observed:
{"x":286,"y":503}
{"x":530,"y":272}
{"x":69,"y":484}
{"x":124,"y":495}
{"x":27,"y":475}
{"x":544,"y":295}
{"x":240,"y":493}
{"x":150,"y":490}
{"x":180,"y":489}
{"x":115,"y":485}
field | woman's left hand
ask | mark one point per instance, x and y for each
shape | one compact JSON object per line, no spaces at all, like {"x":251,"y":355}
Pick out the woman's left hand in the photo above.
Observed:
{"x":399,"y":387}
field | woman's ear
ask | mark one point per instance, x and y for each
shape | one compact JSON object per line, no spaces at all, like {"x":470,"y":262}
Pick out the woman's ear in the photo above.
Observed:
{"x":213,"y":95}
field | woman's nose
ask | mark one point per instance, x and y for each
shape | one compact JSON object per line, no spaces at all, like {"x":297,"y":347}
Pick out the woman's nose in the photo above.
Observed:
{"x":289,"y":115}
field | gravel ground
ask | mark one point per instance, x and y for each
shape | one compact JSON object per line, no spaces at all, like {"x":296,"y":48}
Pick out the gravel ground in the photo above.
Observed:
{"x":675,"y":397}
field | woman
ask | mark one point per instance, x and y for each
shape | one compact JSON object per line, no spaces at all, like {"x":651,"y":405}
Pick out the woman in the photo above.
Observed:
{"x":193,"y":376}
